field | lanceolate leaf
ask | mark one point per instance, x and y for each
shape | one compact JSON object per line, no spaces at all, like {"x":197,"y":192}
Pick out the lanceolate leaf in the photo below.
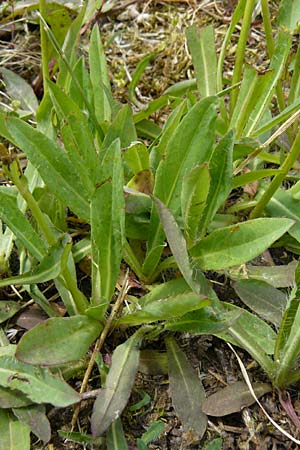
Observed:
{"x":58,"y":340}
{"x":18,"y":89}
{"x":99,"y":77}
{"x":239,"y":243}
{"x":108,"y":223}
{"x":195,"y":188}
{"x":186,"y":390}
{"x":202,"y":47}
{"x":19,"y":225}
{"x":177,"y":243}
{"x":53,"y":165}
{"x":266,"y":301}
{"x":120,"y":379}
{"x":165,"y":308}
{"x":77,"y":136}
{"x":49,"y":268}
{"x":189,"y":146}
{"x":220,"y":170}
{"x":233,"y":398}
{"x":283,"y":204}
{"x":37,"y":383}
{"x":35,"y":418}
{"x":14,"y":435}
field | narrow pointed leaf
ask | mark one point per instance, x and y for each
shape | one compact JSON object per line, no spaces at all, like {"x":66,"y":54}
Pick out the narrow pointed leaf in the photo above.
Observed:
{"x":202,"y":47}
{"x":176,"y":242}
{"x":53,"y":165}
{"x":121,"y":128}
{"x":188,"y":147}
{"x":20,"y":226}
{"x":77,"y":136}
{"x":195,"y":188}
{"x":49,"y":343}
{"x":165,"y":309}
{"x":37,"y":383}
{"x":266,"y":301}
{"x":220,"y":170}
{"x":120,"y":379}
{"x":108,"y":223}
{"x":35,"y":418}
{"x":49,"y":268}
{"x":99,"y":77}
{"x":14,"y":435}
{"x":186,"y":388}
{"x":233,"y":398}
{"x":239,"y":243}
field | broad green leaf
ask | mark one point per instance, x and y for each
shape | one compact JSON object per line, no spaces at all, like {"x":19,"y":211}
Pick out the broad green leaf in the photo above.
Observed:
{"x":8,"y":309}
{"x":250,"y":327}
{"x":137,"y":157}
{"x":202,"y":47}
{"x":176,"y":242}
{"x":276,"y":276}
{"x":77,"y":137}
{"x":37,"y":383}
{"x":165,"y":309}
{"x":115,"y":438}
{"x":12,"y":398}
{"x":220,"y":170}
{"x":107,"y":223}
{"x":203,"y":321}
{"x":18,"y":89}
{"x":148,"y":129}
{"x":14,"y":435}
{"x":53,"y":165}
{"x":35,"y":418}
{"x":266,"y":301}
{"x":283,"y":204}
{"x":233,"y":398}
{"x":195,"y":188}
{"x":186,"y":389}
{"x":277,"y":65}
{"x":19,"y":225}
{"x":120,"y":379}
{"x":289,"y":15}
{"x":239,"y":243}
{"x":49,"y":268}
{"x":49,"y":342}
{"x":188,"y":147}
{"x":99,"y":77}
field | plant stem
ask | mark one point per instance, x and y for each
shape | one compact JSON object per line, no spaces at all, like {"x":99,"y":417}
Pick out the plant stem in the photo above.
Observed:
{"x":278,"y":179}
{"x":44,"y":46}
{"x":240,"y":52}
